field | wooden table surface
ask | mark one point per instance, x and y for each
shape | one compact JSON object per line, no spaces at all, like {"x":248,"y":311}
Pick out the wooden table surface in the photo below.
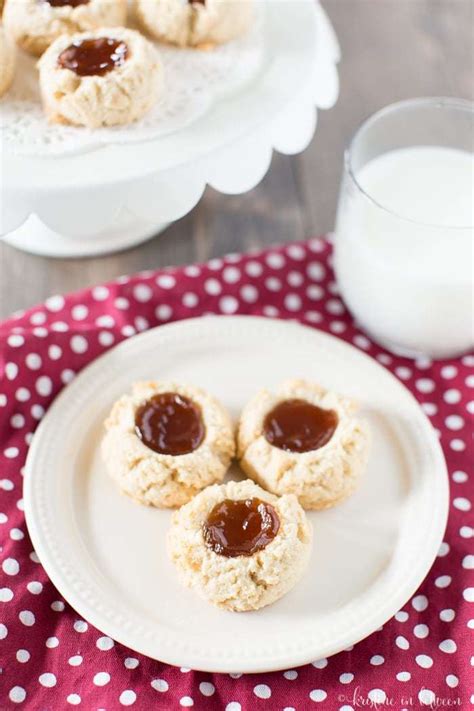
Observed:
{"x":391,"y":50}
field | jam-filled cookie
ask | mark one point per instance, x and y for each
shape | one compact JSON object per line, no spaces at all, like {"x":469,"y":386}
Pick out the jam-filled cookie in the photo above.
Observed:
{"x":195,"y":23}
{"x":107,"y":77}
{"x":7,"y":61}
{"x":166,"y":441}
{"x":35,"y":24}
{"x":240,"y":547}
{"x":303,"y":440}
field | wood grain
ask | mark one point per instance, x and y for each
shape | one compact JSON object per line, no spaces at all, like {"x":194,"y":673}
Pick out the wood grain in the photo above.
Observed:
{"x":392,"y":50}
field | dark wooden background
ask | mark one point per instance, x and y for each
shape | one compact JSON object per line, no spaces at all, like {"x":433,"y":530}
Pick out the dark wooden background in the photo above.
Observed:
{"x":391,"y":50}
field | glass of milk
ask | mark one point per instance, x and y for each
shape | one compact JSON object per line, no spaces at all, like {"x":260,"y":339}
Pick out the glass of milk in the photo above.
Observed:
{"x":404,"y":235}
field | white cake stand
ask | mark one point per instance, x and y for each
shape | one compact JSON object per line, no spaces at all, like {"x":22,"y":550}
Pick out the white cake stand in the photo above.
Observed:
{"x":117,"y":196}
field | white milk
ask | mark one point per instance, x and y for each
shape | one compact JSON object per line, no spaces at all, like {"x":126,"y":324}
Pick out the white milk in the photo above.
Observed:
{"x":405,"y":265}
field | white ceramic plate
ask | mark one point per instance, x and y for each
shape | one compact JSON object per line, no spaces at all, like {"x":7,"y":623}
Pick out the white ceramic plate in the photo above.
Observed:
{"x":107,"y":557}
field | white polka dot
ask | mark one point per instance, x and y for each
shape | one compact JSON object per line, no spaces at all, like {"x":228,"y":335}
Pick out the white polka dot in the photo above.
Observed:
{"x":457,"y":445}
{"x":44,"y":386}
{"x":468,"y":594}
{"x":101,"y":678}
{"x":75,"y":661}
{"x":317,"y":695}
{"x":7,"y":485}
{"x":3,"y":631}
{"x":470,"y":407}
{"x":315,"y":292}
{"x":452,"y":681}
{"x":231,"y":275}
{"x":22,"y":394}
{"x":420,"y":603}
{"x":460,"y":477}
{"x":429,"y":408}
{"x":40,"y":332}
{"x":292,"y":302}
{"x":215,"y":264}
{"x":52,"y":642}
{"x":470,"y":624}
{"x":6,"y":595}
{"x":403,"y":372}
{"x":443,"y":549}
{"x":424,"y":661}
{"x":10,"y":566}
{"x":192,"y":271}
{"x":335,"y":307}
{"x":185,"y":670}
{"x":127,"y":697}
{"x":160,"y":685}
{"x":3,"y":399}
{"x":448,"y":646}
{"x":401,"y":616}
{"x":34,"y":556}
{"x":377,"y":660}
{"x":449,"y":371}
{"x":295,"y":251}
{"x":263,"y":691}
{"x":121,"y":303}
{"x":15,"y":340}
{"x":403,"y":676}
{"x":48,"y":680}
{"x":273,"y":284}
{"x":17,"y":421}
{"x":462,"y":504}
{"x":320,"y":663}
{"x":11,"y":452}
{"x":454,"y":422}
{"x":106,"y":338}
{"x":447,"y":615}
{"x":443,"y":581}
{"x":253,"y":269}
{"x":190,"y":300}
{"x":80,"y":626}
{"x":361,"y":342}
{"x":60,"y":326}
{"x":3,"y":518}
{"x":377,"y":696}
{"x":315,"y":271}
{"x":73,"y":699}
{"x":425,"y":385}
{"x":291,"y":675}
{"x":228,"y":304}
{"x":346,"y":678}
{"x":79,"y":344}
{"x":55,"y":352}
{"x":105,"y":643}
{"x":295,"y":279}
{"x":38,"y":318}
{"x":163,"y":312}
{"x":166,"y":281}
{"x":427,"y":697}
{"x":11,"y":371}
{"x":23,"y":656}
{"x":131,"y":663}
{"x":468,"y":562}
{"x":275,"y":260}
{"x":206,"y":688}
{"x":16,"y":534}
{"x":402,"y":642}
{"x":17,"y":694}
{"x":212,"y":287}
{"x":452,"y":396}
{"x":27,"y":618}
{"x":54,"y":303}
{"x":186,"y":701}
{"x":105,"y":321}
{"x":142,"y":293}
{"x":421,"y":631}
{"x":79,"y":312}
{"x":100,"y":293}
{"x":67,"y":375}
{"x":57,"y":606}
{"x":233,"y":706}
{"x":249,"y":293}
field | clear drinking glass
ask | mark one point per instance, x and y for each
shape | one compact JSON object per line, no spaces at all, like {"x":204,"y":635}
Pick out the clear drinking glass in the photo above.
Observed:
{"x":404,"y":234}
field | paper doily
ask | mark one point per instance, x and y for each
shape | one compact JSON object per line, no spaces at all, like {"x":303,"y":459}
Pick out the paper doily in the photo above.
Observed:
{"x":194,"y":81}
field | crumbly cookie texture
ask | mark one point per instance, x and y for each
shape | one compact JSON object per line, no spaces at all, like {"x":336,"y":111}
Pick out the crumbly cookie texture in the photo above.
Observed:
{"x":7,"y":61}
{"x":35,"y":24}
{"x":244,"y":582}
{"x":163,"y":480}
{"x":320,"y":478}
{"x":195,"y":24}
{"x":119,"y":97}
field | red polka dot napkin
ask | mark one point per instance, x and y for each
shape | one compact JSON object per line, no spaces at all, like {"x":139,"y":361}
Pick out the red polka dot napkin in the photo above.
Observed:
{"x":51,"y":659}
